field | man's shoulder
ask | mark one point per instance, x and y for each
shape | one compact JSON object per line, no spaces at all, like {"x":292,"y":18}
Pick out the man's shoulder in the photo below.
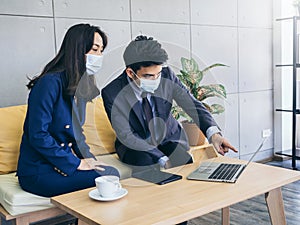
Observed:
{"x":116,"y":83}
{"x":168,"y":73}
{"x":112,"y":89}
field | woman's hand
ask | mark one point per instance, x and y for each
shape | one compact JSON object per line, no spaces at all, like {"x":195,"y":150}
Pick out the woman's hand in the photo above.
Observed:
{"x":91,"y":164}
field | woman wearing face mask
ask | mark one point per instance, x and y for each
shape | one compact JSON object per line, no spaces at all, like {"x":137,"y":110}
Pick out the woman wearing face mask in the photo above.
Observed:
{"x":54,"y":157}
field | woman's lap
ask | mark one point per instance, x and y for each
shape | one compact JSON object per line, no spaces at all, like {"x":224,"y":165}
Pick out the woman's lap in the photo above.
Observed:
{"x":52,"y":184}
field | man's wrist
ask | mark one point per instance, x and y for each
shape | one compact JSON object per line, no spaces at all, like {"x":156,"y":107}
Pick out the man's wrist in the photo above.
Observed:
{"x":211,"y":131}
{"x":162,"y":161}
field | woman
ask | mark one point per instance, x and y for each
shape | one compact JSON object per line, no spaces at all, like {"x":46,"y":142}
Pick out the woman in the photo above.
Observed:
{"x":54,"y":157}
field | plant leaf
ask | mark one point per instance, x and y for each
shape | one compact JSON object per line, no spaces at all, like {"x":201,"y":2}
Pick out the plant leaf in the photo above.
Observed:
{"x":189,"y":65}
{"x":186,"y":78}
{"x":217,"y":109}
{"x":212,"y":90}
{"x":207,"y":106}
{"x":199,"y":77}
{"x":212,"y":66}
{"x":178,"y":112}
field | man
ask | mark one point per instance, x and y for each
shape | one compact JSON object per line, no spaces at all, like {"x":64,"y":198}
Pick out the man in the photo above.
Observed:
{"x":138,"y":104}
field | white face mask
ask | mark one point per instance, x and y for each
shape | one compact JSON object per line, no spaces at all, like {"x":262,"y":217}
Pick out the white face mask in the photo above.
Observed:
{"x":149,"y":85}
{"x":93,"y":63}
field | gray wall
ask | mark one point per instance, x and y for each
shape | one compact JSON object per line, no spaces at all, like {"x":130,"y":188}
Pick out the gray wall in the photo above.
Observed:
{"x":234,"y":32}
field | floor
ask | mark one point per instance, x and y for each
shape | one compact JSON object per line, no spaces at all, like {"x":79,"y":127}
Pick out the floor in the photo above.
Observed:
{"x":254,"y":211}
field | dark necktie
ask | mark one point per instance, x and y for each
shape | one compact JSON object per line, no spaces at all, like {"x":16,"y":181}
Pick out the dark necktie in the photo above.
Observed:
{"x":147,"y":108}
{"x":148,"y":116}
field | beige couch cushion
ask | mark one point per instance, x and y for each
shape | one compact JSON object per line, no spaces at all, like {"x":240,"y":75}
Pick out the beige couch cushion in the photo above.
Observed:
{"x":15,"y":200}
{"x":99,"y":134}
{"x":11,"y":129}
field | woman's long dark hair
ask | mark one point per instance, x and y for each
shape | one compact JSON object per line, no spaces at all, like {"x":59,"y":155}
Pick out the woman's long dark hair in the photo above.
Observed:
{"x":77,"y":42}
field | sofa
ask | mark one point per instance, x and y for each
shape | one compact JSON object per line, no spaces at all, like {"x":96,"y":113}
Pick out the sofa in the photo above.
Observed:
{"x":14,"y":201}
{"x":20,"y":207}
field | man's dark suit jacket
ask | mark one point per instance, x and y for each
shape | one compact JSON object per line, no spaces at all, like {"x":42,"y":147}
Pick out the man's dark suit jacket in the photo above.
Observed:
{"x":126,"y":115}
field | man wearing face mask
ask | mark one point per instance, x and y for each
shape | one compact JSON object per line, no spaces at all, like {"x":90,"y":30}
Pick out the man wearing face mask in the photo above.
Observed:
{"x":139,"y":102}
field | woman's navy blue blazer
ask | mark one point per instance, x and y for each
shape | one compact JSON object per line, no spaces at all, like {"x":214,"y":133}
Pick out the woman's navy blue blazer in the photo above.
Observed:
{"x":48,"y":138}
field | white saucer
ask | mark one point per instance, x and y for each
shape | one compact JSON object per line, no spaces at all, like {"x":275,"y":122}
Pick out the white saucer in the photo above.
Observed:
{"x":94,"y":194}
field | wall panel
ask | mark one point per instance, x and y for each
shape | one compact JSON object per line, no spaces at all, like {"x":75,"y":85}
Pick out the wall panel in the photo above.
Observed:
{"x":92,"y":9}
{"x":27,"y":7}
{"x":26,"y":44}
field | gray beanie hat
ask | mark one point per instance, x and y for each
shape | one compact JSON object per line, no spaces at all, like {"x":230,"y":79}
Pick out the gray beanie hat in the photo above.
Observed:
{"x":144,"y":49}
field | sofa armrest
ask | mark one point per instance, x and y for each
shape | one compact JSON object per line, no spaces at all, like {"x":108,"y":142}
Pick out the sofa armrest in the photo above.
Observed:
{"x":202,"y":152}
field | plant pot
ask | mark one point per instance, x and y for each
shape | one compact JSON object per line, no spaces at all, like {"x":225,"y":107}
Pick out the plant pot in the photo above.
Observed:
{"x":194,"y":134}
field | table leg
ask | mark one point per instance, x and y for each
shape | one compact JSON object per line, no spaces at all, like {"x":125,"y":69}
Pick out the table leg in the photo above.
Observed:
{"x":275,"y":206}
{"x":225,"y":216}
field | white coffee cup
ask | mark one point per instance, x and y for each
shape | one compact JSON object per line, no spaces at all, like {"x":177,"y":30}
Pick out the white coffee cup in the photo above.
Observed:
{"x":108,"y":186}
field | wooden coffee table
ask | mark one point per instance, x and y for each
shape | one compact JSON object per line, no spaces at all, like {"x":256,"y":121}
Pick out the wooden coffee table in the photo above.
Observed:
{"x":182,"y":200}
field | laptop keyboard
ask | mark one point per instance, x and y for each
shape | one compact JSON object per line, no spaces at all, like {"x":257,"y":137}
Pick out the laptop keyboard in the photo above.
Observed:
{"x":225,"y":171}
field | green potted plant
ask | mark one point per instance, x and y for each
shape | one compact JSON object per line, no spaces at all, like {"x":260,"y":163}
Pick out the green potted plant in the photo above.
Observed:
{"x":191,"y":76}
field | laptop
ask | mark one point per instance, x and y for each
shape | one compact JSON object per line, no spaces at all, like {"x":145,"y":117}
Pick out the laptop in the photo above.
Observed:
{"x":154,"y":175}
{"x":221,"y":172}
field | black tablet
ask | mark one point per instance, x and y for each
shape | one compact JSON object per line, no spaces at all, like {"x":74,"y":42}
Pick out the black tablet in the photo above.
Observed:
{"x":156,"y":176}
